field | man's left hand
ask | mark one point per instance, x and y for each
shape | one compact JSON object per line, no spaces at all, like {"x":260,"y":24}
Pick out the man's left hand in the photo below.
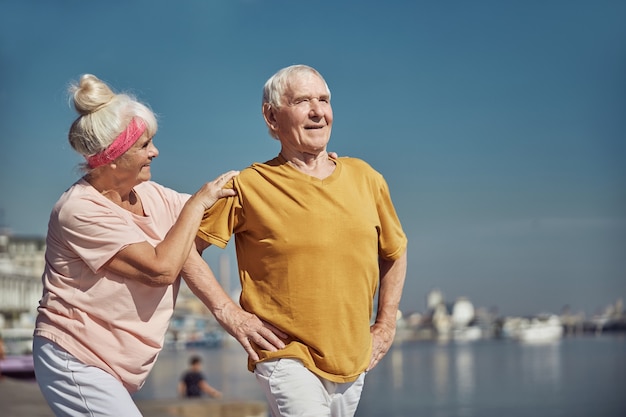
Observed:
{"x":382,"y":338}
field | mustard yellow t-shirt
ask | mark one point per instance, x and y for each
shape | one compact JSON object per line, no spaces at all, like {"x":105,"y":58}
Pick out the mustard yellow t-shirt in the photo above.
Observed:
{"x":308,"y":253}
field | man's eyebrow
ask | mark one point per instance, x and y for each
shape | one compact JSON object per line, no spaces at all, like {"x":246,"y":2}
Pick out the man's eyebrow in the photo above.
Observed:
{"x":309,"y":97}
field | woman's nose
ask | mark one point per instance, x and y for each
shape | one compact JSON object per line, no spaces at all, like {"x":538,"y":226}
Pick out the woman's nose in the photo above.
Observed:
{"x":154,"y":152}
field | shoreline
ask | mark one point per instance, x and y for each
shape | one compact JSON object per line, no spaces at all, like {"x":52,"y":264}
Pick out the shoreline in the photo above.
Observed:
{"x":23,"y":398}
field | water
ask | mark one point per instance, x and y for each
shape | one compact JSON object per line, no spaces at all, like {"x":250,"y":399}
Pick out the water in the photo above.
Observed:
{"x":577,"y":377}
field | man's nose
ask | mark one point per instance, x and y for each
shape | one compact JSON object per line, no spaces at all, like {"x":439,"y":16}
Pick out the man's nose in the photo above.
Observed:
{"x":316,"y":106}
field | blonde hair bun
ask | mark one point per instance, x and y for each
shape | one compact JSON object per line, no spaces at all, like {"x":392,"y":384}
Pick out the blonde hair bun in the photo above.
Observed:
{"x":90,"y":94}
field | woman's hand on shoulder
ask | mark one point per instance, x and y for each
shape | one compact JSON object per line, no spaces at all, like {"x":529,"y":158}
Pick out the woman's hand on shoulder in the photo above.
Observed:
{"x":214,"y":190}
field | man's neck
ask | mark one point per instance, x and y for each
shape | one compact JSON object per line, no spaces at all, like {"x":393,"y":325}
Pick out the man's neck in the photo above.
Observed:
{"x":316,"y":165}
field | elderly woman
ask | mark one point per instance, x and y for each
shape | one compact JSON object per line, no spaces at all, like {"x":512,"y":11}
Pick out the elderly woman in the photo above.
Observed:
{"x":116,"y":245}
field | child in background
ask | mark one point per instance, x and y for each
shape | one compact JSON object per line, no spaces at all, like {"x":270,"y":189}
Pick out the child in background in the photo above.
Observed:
{"x":193,"y":383}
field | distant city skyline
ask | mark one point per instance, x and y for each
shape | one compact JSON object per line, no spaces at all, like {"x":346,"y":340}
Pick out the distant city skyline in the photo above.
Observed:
{"x":499,"y":126}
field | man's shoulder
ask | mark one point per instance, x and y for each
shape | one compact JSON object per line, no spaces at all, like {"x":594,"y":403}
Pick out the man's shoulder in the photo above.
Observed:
{"x":274,"y":162}
{"x":354,"y":162}
{"x":358,"y":165}
{"x":261,"y":168}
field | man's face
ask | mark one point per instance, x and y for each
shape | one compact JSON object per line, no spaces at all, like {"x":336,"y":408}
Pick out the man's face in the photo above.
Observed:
{"x":304,"y":120}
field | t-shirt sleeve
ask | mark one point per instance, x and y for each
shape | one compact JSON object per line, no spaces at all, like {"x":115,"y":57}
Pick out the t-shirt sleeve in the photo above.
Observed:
{"x":95,"y":232}
{"x":392,"y":239}
{"x":218,"y":222}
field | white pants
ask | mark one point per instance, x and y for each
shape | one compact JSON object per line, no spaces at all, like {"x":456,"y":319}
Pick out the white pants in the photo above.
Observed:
{"x":292,"y":390}
{"x":72,"y":388}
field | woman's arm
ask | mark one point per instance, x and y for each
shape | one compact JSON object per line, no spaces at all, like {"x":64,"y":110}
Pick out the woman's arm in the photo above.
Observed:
{"x":243,"y":326}
{"x":161,"y":264}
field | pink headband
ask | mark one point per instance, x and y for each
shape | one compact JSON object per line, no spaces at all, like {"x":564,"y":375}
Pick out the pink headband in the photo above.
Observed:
{"x":121,"y":144}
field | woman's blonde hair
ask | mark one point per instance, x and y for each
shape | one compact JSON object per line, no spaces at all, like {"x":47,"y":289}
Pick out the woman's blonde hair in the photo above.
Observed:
{"x":103,"y":115}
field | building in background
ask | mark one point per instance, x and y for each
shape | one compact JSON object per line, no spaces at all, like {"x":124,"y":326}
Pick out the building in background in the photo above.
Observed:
{"x":22,"y":262}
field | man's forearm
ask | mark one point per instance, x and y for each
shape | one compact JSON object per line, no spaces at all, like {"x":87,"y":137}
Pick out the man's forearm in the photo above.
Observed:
{"x":202,"y":282}
{"x":392,"y":276}
{"x":240,"y":324}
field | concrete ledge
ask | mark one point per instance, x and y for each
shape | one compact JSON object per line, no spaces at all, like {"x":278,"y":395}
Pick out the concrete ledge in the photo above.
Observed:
{"x":202,"y":408}
{"x":22,"y":398}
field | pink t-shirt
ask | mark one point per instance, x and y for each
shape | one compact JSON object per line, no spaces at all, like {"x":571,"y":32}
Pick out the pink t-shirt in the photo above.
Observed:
{"x":104,"y":319}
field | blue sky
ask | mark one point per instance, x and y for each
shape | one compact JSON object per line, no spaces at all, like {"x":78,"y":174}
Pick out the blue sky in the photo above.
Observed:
{"x":499,"y":126}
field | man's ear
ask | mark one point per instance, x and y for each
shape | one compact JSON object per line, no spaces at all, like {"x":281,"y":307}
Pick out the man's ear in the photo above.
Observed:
{"x":270,"y":117}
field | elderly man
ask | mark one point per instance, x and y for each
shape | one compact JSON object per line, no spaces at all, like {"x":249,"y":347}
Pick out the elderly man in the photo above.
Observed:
{"x":315,"y":236}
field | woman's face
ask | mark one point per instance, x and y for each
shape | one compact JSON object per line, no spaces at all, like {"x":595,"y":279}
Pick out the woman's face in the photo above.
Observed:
{"x":134,"y":165}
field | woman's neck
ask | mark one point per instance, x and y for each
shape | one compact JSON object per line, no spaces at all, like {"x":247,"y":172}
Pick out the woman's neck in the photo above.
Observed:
{"x":122,"y":195}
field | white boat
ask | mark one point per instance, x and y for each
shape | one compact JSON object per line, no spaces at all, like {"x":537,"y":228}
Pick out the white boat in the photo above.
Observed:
{"x":467,"y":334}
{"x":540,"y":330}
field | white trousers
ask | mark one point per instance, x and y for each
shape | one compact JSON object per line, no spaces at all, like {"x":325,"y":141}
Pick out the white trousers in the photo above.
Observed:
{"x":292,"y":390}
{"x":72,"y":388}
